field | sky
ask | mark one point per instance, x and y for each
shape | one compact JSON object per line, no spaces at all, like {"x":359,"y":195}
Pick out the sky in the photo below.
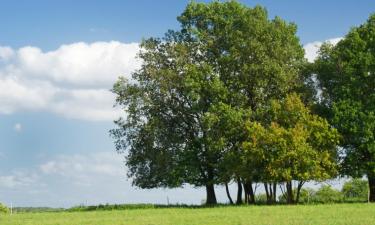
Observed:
{"x":58,"y":61}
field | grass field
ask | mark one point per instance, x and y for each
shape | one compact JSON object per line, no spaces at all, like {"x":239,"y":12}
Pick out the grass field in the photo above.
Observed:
{"x":339,"y":214}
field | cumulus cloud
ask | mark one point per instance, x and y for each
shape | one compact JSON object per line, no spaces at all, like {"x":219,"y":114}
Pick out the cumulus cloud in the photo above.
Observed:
{"x":72,"y":81}
{"x":311,"y":49}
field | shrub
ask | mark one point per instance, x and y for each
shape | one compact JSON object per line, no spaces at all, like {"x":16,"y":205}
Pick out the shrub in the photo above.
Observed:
{"x":326,"y":194}
{"x":261,"y":198}
{"x":3,"y":208}
{"x":355,"y":190}
{"x":306,"y":196}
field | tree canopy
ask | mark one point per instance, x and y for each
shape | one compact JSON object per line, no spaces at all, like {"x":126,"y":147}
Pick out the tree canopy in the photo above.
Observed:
{"x":294,"y":145}
{"x":346,"y":74}
{"x":212,"y":103}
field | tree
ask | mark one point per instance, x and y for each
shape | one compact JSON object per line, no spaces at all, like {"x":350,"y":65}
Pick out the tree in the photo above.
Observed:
{"x":294,"y":145}
{"x":224,"y":62}
{"x":346,"y":74}
{"x":168,"y":109}
{"x":256,"y":58}
{"x":355,"y":190}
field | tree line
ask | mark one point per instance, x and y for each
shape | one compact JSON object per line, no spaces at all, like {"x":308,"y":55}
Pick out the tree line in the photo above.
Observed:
{"x":229,"y":97}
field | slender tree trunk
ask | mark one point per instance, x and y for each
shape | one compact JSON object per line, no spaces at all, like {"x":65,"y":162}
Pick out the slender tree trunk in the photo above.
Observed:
{"x":371,"y":184}
{"x":246,"y":191}
{"x":289,"y":192}
{"x":250,"y":192}
{"x":228,"y":193}
{"x":211,"y":197}
{"x":268,"y":190}
{"x":239,"y":192}
{"x":300,"y":184}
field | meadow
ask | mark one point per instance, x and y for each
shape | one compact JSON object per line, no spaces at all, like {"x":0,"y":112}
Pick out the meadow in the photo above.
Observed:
{"x":340,"y":214}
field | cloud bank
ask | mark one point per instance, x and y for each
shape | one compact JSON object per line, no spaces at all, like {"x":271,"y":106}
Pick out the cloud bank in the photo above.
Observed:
{"x":72,"y":81}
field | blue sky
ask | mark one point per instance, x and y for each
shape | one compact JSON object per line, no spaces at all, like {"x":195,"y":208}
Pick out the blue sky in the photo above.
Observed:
{"x":57,"y":63}
{"x":48,"y":24}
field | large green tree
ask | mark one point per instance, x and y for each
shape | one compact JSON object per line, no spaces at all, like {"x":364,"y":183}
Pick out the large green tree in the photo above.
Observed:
{"x":166,"y":128}
{"x":346,"y":74}
{"x":257,"y":59}
{"x":196,"y":86}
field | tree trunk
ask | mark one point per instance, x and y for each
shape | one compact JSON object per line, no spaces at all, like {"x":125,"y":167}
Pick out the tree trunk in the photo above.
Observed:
{"x":246,"y":193}
{"x":228,"y":194}
{"x":289,"y":192}
{"x":300,"y":184}
{"x":271,"y":192}
{"x":249,"y":192}
{"x":371,"y":184}
{"x":239,"y":192}
{"x":211,"y":197}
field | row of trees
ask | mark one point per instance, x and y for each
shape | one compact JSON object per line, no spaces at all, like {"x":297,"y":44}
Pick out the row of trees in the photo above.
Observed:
{"x":230,"y":97}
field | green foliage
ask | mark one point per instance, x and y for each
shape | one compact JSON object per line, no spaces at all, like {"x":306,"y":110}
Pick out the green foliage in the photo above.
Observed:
{"x":3,"y":208}
{"x":346,"y":74}
{"x":307,"y":195}
{"x":185,"y":108}
{"x":261,"y":198}
{"x":355,"y":190}
{"x":326,"y":194}
{"x":257,"y":58}
{"x":292,"y":145}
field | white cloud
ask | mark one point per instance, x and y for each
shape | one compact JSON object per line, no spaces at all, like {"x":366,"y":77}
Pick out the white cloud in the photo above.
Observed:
{"x":17,"y":127}
{"x":311,"y":49}
{"x":96,"y":64}
{"x":72,"y":81}
{"x":18,"y":179}
{"x":84,"y":169}
{"x":6,"y":53}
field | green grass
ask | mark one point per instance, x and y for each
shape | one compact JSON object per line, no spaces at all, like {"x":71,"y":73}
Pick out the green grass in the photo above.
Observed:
{"x":340,"y":214}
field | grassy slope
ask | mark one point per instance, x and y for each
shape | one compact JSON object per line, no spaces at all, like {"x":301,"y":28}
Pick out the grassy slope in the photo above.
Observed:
{"x":341,"y":214}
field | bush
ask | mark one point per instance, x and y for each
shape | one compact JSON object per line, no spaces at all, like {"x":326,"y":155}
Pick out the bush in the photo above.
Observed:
{"x":261,"y":198}
{"x":3,"y":209}
{"x":326,"y":194}
{"x":355,"y":190}
{"x":307,"y":195}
